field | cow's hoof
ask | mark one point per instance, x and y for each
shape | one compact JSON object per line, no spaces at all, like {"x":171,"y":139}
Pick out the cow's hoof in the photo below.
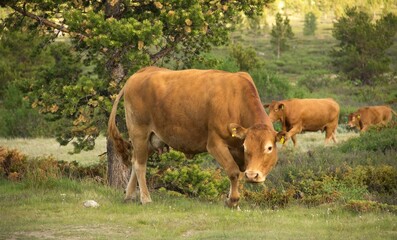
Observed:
{"x":128,"y":200}
{"x":146,"y":201}
{"x":132,"y":198}
{"x":232,"y":203}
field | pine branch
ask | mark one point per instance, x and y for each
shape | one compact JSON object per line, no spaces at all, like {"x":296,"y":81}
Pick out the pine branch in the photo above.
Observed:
{"x":46,"y":22}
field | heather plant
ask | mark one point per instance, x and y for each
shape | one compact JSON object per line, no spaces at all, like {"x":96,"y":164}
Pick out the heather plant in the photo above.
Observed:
{"x":174,"y":172}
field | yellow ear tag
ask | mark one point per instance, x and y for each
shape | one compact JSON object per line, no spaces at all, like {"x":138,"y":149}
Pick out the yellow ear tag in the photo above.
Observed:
{"x":282,"y":140}
{"x":234,"y":132}
{"x":358,"y":116}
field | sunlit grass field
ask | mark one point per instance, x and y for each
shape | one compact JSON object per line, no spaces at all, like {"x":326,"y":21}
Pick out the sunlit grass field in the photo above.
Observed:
{"x":50,"y":147}
{"x":58,"y":213}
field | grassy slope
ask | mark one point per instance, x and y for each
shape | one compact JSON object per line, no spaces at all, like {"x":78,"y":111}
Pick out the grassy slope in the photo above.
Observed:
{"x":46,"y":213}
{"x":48,"y":146}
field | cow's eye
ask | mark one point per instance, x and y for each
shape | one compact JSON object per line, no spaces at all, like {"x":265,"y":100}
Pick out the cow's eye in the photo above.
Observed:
{"x":268,"y":148}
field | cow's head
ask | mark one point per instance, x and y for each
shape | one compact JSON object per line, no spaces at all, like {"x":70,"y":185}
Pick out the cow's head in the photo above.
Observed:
{"x":354,"y":120}
{"x":276,"y":111}
{"x":260,"y":149}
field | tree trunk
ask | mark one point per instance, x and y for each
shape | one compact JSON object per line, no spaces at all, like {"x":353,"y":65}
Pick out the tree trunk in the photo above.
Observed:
{"x":118,"y":173}
{"x":278,"y":50}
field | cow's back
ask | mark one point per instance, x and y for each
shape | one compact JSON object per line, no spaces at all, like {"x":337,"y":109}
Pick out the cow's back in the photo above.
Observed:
{"x":183,"y":107}
{"x":313,"y":114}
{"x":375,"y":114}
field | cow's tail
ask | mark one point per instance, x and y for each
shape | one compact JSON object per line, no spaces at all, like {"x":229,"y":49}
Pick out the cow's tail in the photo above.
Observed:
{"x":121,"y":146}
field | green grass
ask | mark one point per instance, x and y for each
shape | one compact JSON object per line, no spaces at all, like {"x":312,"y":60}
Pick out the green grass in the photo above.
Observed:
{"x":58,"y":213}
{"x":54,"y":209}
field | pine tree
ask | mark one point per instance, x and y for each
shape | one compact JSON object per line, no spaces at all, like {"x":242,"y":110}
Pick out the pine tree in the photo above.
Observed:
{"x":280,"y":33}
{"x":310,"y":24}
{"x":361,"y":52}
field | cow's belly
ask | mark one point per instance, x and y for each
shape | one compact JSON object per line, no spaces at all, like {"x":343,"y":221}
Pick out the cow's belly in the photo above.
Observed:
{"x":183,"y":139}
{"x":310,"y":127}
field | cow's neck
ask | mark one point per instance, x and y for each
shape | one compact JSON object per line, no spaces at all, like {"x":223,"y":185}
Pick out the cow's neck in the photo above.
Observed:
{"x":259,"y":115}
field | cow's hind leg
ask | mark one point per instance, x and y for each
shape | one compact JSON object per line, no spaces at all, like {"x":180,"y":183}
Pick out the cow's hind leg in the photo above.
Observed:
{"x":222,"y":154}
{"x":330,"y":132}
{"x":139,"y":159}
{"x":131,"y":193}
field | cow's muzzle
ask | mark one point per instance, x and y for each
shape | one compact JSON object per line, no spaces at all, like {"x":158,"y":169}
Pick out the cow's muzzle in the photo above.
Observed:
{"x":254,"y":177}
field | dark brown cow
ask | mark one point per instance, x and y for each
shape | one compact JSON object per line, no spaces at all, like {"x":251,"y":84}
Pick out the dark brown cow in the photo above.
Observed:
{"x":196,"y":111}
{"x":365,"y":117}
{"x":297,"y":115}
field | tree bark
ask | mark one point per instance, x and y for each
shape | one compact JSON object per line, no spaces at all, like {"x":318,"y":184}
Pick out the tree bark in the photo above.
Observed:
{"x":118,"y":173}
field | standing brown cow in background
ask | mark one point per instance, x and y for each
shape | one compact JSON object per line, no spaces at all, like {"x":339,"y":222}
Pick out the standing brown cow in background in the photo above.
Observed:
{"x":297,"y":115}
{"x":365,"y":117}
{"x":196,"y":111}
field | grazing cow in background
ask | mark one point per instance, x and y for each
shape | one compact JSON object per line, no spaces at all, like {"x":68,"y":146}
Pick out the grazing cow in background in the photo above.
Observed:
{"x":365,"y":117}
{"x":196,"y":111}
{"x":297,"y":115}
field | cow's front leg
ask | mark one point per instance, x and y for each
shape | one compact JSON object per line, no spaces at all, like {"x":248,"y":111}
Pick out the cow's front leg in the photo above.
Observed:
{"x":292,"y":132}
{"x":234,"y":195}
{"x":294,"y":140}
{"x":223,"y":156}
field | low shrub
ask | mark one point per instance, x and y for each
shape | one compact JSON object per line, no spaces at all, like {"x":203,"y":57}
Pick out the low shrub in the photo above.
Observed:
{"x":174,"y":172}
{"x":375,"y":139}
{"x":264,"y":196}
{"x":42,"y":171}
{"x":315,"y":80}
{"x":12,"y":164}
{"x":271,"y":86}
{"x":363,"y":206}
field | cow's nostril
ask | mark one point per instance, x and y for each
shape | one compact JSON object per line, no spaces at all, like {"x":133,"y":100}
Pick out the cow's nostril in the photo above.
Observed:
{"x":251,"y":175}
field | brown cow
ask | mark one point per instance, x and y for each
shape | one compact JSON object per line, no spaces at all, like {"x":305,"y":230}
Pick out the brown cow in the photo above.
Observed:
{"x":365,"y":117}
{"x":297,"y":115}
{"x":196,"y":111}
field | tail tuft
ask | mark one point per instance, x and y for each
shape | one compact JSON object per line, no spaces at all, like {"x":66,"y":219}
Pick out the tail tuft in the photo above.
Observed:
{"x":122,"y":147}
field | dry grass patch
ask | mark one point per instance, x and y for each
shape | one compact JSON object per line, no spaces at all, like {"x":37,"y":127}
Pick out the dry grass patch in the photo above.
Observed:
{"x":48,"y":146}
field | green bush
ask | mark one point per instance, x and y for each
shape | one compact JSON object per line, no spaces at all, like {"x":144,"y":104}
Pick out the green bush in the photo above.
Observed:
{"x":315,"y":80}
{"x":210,"y":61}
{"x":270,"y":86}
{"x":18,"y":119}
{"x":174,"y":172}
{"x":245,"y":57}
{"x":310,"y":25}
{"x":373,"y":140}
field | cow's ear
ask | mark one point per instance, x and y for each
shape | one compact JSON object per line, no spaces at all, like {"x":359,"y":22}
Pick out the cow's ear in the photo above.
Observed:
{"x":281,"y":137}
{"x":237,"y":131}
{"x":266,"y":105}
{"x":281,"y":106}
